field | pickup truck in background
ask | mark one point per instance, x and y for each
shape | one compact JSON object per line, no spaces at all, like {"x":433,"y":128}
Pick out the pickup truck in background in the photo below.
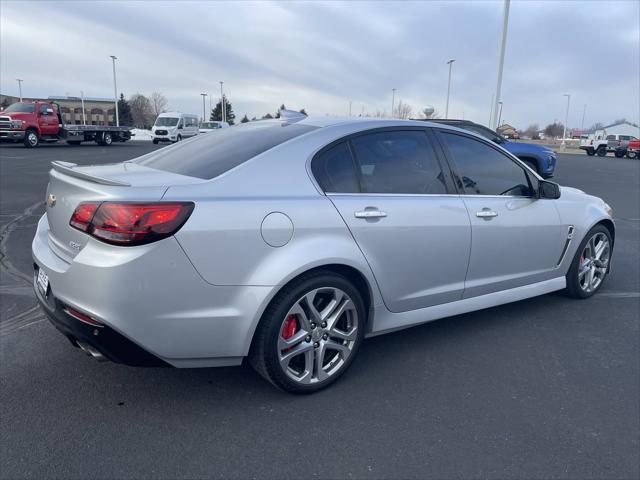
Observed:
{"x":600,"y":143}
{"x":539,"y":158}
{"x":40,"y":121}
{"x":633,"y":149}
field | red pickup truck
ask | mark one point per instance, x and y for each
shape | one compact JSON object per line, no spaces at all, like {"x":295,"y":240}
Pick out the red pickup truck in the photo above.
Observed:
{"x":33,"y":122}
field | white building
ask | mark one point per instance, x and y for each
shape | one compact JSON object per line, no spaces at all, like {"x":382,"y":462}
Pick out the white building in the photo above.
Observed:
{"x":624,"y":128}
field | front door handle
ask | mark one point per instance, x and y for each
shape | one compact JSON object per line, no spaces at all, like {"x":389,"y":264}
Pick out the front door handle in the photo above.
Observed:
{"x":486,"y":214}
{"x":370,"y":214}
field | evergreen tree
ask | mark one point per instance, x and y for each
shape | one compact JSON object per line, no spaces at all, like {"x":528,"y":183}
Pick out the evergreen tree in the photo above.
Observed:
{"x":124,"y":112}
{"x":268,"y":116}
{"x":245,"y":119}
{"x":216,"y":113}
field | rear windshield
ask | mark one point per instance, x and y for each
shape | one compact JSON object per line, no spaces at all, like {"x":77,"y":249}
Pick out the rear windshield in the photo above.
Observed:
{"x":21,"y":107}
{"x":207,"y":156}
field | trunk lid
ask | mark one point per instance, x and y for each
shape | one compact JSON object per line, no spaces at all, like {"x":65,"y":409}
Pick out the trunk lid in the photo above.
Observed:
{"x":70,"y":185}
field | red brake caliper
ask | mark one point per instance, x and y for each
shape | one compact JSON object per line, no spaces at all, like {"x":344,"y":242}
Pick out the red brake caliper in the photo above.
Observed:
{"x":289,"y":328}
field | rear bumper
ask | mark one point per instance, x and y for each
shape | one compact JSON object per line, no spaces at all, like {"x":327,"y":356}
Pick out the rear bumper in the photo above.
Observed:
{"x":12,"y":135}
{"x":151,"y":300}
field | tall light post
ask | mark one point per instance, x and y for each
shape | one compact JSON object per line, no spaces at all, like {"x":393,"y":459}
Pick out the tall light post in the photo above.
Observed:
{"x":500,"y":115}
{"x":503,"y":46}
{"x":210,"y":108}
{"x":203,"y":106}
{"x":584,"y":111}
{"x":222,"y":103}
{"x":566,"y":120}
{"x":19,"y":80}
{"x":446,"y":110}
{"x":84,"y":117}
{"x":393,"y":100}
{"x":115,"y":90}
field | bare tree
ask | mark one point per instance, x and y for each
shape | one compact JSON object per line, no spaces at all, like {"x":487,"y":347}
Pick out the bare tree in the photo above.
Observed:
{"x":158,"y":103}
{"x":403,"y":110}
{"x":141,"y":111}
{"x":532,"y":131}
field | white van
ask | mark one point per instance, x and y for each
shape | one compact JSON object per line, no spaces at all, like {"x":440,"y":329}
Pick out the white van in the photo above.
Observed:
{"x":206,"y":127}
{"x":174,"y":126}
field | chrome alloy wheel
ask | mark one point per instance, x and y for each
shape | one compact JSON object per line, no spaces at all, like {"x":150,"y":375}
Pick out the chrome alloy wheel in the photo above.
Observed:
{"x":593,"y":263}
{"x":317,"y":335}
{"x":32,"y":138}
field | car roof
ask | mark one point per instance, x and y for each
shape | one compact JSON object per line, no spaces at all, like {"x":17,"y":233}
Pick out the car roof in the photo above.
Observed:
{"x":364,"y":121}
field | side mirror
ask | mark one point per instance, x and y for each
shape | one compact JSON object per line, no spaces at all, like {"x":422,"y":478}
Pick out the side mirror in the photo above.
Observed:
{"x":548,"y":189}
{"x":180,"y":127}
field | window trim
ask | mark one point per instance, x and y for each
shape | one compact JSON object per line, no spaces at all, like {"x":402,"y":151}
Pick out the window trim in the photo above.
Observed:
{"x":431,"y":139}
{"x":454,"y":168}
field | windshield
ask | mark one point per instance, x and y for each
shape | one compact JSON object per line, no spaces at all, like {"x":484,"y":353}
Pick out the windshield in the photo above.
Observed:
{"x":21,"y":107}
{"x":166,"y":122}
{"x":208,"y":125}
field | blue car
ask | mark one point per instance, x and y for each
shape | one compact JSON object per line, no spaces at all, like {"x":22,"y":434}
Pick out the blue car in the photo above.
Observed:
{"x":541,"y":159}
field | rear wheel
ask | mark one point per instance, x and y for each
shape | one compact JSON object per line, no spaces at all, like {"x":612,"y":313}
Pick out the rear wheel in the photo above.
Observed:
{"x":310,"y":333}
{"x":590,"y":264}
{"x":619,"y":153}
{"x":632,"y":154}
{"x":31,"y":139}
{"x":155,"y":141}
{"x":591,"y":152}
{"x":602,"y":151}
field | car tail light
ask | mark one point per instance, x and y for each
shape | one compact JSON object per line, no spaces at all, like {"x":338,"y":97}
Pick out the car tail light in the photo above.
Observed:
{"x":130,"y":223}
{"x":83,"y":317}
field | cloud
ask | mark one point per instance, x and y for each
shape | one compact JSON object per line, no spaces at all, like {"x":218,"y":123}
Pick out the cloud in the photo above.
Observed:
{"x":322,"y":55}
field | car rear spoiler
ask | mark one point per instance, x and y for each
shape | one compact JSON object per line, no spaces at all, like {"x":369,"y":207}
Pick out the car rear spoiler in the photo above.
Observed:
{"x":68,"y":168}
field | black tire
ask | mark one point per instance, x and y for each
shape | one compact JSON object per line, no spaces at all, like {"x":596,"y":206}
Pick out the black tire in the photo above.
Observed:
{"x":74,"y":142}
{"x":632,"y":154}
{"x":591,"y":152}
{"x":155,"y":141}
{"x":107,"y":139}
{"x":263,"y":355}
{"x":619,"y":153}
{"x":574,"y":288}
{"x":602,"y":151}
{"x":31,"y":139}
{"x":179,"y":138}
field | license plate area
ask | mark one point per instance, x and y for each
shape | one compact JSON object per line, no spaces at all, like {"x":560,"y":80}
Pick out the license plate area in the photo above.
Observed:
{"x":42,"y":280}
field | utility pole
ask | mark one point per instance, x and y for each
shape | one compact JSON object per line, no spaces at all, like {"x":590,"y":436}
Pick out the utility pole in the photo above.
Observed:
{"x":499,"y":116}
{"x":19,"y":80}
{"x":503,"y":45}
{"x":115,"y":91}
{"x":566,"y":120}
{"x":84,"y":117}
{"x":203,"y":107}
{"x":222,"y":103}
{"x":210,"y":109}
{"x":393,"y":101}
{"x":446,"y":110}
{"x":584,"y":111}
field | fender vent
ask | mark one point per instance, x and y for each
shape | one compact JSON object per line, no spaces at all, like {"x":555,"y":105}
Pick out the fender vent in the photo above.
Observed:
{"x":567,"y":242}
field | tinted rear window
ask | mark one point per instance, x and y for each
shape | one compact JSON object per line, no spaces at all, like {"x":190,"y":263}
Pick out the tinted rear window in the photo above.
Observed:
{"x":207,"y":156}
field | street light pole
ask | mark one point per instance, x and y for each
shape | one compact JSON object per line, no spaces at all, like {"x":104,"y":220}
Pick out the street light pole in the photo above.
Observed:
{"x":393,"y":100}
{"x":19,"y":80}
{"x":115,"y":91}
{"x":505,"y":24}
{"x":499,"y":116}
{"x":566,"y":120}
{"x":446,"y":110}
{"x":84,"y":117}
{"x":210,"y":108}
{"x":203,"y":106}
{"x":584,"y":111}
{"x":222,"y":102}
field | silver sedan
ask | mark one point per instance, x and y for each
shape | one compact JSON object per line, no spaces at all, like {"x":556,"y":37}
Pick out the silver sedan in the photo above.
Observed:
{"x":288,"y":242}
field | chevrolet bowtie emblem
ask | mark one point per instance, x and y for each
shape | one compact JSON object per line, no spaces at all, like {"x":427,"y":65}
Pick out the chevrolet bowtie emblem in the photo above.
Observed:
{"x":51,"y":200}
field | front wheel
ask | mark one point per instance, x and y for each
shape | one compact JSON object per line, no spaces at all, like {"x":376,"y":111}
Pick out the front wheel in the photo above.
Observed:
{"x":310,"y":333}
{"x":155,"y":141}
{"x":631,"y":154}
{"x":31,"y":139}
{"x":602,"y":151}
{"x":590,"y":264}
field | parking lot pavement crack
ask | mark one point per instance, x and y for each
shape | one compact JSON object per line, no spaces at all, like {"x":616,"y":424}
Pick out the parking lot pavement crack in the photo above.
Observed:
{"x":5,"y":232}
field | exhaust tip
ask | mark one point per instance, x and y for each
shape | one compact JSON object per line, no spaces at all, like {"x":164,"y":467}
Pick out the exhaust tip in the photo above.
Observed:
{"x":91,"y":351}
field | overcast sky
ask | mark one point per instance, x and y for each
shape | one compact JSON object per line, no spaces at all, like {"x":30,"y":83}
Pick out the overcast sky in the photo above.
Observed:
{"x":321,"y":55}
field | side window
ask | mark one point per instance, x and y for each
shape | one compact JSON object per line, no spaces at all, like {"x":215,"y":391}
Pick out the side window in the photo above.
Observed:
{"x":334,"y":170}
{"x":43,"y":109}
{"x":483,"y":170}
{"x":611,"y":137}
{"x":398,"y":162}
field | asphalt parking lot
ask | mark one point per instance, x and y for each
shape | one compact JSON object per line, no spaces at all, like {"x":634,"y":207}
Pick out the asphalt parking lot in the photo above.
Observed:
{"x":543,"y":388}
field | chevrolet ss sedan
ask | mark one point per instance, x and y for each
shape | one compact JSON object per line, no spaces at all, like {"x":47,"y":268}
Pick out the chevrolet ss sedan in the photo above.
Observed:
{"x":287,"y":242}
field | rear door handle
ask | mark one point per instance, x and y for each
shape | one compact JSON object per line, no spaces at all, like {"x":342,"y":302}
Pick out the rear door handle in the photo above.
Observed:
{"x":370,"y":214}
{"x":486,"y":214}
